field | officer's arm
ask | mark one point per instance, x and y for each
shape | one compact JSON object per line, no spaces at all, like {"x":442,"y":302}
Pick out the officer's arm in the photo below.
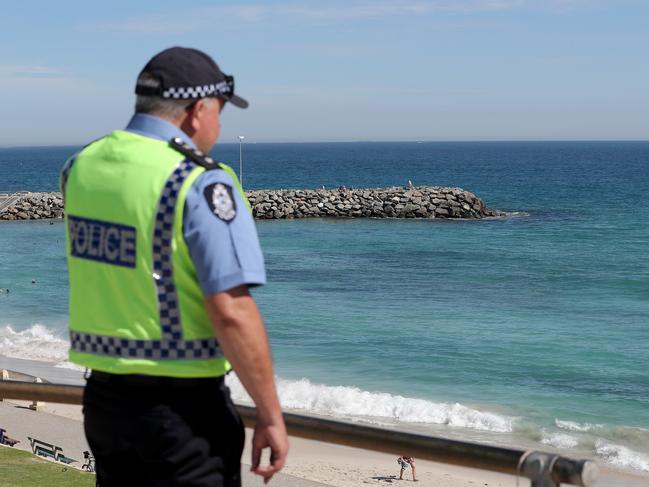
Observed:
{"x":222,"y":241}
{"x":242,"y":337}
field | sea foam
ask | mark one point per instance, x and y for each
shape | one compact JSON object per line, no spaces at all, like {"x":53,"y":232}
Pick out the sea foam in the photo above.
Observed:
{"x":622,"y":456}
{"x":377,"y":407}
{"x":40,"y":343}
{"x":574,"y":426}
{"x":36,"y":343}
{"x":559,"y":440}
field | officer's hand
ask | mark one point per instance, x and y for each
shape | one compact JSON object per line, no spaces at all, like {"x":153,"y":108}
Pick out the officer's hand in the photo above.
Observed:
{"x":271,"y":436}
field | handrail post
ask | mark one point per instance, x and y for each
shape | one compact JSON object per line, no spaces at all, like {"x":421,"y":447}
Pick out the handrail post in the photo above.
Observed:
{"x":35,"y":404}
{"x":4,"y":376}
{"x":543,"y":468}
{"x":537,"y":467}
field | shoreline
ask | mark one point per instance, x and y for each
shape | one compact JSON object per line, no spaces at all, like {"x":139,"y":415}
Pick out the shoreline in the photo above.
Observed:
{"x":309,"y":460}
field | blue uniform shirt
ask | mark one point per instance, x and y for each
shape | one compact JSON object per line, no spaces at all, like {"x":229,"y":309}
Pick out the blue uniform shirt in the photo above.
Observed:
{"x":226,"y":254}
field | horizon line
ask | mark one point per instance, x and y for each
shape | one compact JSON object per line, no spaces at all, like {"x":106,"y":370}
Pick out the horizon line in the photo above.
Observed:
{"x":363,"y":141}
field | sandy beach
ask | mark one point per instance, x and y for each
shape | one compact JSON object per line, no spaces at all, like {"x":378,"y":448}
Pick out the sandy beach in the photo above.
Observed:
{"x":310,"y":463}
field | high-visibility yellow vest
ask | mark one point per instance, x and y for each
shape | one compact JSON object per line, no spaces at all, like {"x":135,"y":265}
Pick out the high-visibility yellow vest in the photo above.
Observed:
{"x":135,"y":303}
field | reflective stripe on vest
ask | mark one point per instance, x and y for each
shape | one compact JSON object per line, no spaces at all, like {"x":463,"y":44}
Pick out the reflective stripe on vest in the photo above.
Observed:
{"x":171,"y":346}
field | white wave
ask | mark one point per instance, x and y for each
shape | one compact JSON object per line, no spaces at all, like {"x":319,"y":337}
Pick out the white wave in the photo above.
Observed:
{"x":574,"y":426}
{"x":622,"y":456}
{"x":559,"y":440}
{"x":35,"y":343}
{"x":354,"y":403}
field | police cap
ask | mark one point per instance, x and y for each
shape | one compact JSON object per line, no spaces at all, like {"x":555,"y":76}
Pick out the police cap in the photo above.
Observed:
{"x":185,"y":73}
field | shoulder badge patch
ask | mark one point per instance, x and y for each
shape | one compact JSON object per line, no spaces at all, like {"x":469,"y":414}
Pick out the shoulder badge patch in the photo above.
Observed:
{"x":220,"y":200}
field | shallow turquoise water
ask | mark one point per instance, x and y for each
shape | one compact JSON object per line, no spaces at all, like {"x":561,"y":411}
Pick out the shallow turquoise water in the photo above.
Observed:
{"x":537,"y":324}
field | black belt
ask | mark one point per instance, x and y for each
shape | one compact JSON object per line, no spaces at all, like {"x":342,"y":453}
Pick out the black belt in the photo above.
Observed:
{"x":153,"y":380}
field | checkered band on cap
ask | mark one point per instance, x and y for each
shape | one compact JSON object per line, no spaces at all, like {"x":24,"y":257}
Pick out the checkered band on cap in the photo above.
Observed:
{"x":171,"y":345}
{"x":201,"y":91}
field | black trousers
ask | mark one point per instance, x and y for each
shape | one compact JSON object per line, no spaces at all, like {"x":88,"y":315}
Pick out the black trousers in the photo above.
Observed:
{"x":153,"y":431}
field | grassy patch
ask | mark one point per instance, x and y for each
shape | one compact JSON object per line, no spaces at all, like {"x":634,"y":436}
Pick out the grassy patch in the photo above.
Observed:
{"x":22,"y":469}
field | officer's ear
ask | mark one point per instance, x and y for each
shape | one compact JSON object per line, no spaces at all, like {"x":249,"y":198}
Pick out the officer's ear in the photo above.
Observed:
{"x":191,"y":120}
{"x":195,"y":112}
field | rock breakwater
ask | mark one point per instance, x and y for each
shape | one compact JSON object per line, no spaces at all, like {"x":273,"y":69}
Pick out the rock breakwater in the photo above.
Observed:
{"x":31,"y":206}
{"x":415,"y":202}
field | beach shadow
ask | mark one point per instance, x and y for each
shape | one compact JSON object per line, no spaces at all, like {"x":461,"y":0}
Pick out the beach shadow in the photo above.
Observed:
{"x":388,"y":480}
{"x":21,"y":407}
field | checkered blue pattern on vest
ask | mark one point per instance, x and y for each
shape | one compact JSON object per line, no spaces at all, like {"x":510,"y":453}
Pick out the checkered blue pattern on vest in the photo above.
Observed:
{"x":65,"y":172}
{"x":146,"y":349}
{"x":171,"y":346}
{"x":162,"y":266}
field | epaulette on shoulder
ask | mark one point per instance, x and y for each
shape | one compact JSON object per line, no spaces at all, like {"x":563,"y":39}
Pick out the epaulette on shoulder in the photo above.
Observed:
{"x":194,"y":154}
{"x":92,"y":142}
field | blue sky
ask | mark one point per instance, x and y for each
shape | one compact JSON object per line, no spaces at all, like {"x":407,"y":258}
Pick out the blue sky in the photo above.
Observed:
{"x":339,"y":70}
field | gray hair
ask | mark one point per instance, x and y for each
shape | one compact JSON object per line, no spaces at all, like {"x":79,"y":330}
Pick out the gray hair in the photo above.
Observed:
{"x":168,"y":108}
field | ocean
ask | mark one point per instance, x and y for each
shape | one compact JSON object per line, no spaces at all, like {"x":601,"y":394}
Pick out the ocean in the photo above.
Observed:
{"x":530,"y":330}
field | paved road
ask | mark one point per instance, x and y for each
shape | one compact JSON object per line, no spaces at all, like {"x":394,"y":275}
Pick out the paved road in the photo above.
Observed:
{"x":44,"y":370}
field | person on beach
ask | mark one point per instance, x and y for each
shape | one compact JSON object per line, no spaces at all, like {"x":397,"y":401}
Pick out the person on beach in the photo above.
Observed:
{"x":162,"y":250}
{"x":405,"y":461}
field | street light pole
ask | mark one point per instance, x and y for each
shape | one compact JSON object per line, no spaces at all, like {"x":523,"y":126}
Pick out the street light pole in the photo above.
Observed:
{"x":241,"y":137}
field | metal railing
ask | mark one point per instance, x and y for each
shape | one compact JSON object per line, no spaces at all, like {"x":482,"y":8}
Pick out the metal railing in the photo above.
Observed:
{"x":7,"y":200}
{"x":543,"y":469}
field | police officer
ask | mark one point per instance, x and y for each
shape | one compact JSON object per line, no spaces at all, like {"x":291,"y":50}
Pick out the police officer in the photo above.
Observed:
{"x":162,"y":250}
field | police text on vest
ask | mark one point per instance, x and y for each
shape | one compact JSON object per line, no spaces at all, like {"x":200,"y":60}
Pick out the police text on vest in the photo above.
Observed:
{"x":102,"y":241}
